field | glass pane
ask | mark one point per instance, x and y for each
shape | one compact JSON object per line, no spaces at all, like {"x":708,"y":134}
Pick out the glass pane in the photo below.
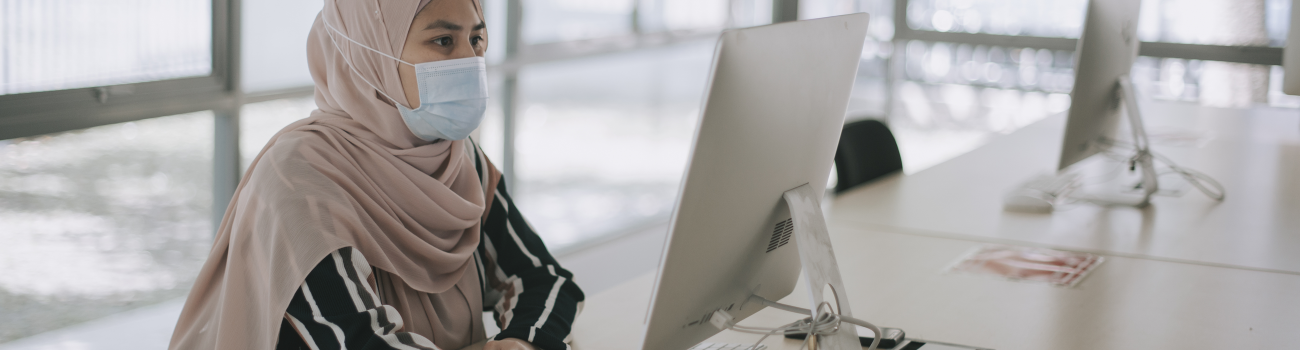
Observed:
{"x":602,"y":142}
{"x":1209,"y":83}
{"x":547,"y":21}
{"x":101,"y":220}
{"x":950,"y":105}
{"x":955,"y":96}
{"x":259,"y":121}
{"x":675,"y":15}
{"x":749,"y":13}
{"x":1278,"y":20}
{"x":1049,"y":18}
{"x":55,"y":45}
{"x":1215,"y":22}
{"x":275,"y":43}
{"x":992,"y":66}
{"x":1276,"y":97}
{"x":490,"y":135}
{"x":870,"y":91}
{"x":881,"y":11}
{"x":494,"y":13}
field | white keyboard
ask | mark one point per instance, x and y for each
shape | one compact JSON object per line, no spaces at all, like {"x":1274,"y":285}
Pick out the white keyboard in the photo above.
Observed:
{"x":1051,"y":184}
{"x":717,"y":346}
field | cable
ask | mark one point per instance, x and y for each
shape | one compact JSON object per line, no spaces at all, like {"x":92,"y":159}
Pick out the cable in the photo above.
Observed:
{"x":1196,"y":178}
{"x":1204,"y":183}
{"x":825,"y":322}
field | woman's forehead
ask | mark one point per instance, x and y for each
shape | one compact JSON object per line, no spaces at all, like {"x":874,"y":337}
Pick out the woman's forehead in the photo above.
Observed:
{"x":462,"y":13}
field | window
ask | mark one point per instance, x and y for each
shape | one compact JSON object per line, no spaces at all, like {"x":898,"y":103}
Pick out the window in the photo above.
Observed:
{"x":548,"y":21}
{"x":680,"y":15}
{"x":275,"y":44}
{"x":259,"y":121}
{"x":1218,"y":22}
{"x":602,"y":141}
{"x":599,"y":105}
{"x":970,"y":69}
{"x":110,"y":127}
{"x":1059,"y":19}
{"x":101,"y":220}
{"x":126,"y":124}
{"x":56,"y":45}
{"x":870,"y":95}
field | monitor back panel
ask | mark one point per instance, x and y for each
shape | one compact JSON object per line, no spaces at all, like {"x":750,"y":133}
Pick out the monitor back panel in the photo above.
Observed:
{"x":770,"y":123}
{"x":1291,"y":55}
{"x":1106,"y":51}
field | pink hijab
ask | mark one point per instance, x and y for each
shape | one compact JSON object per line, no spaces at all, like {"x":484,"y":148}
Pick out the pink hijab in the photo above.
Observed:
{"x":350,"y":175}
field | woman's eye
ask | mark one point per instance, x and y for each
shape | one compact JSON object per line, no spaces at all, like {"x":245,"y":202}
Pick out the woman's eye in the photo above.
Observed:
{"x":476,"y":40}
{"x":443,"y":41}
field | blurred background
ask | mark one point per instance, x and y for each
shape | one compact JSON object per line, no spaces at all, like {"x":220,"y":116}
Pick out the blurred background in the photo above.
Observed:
{"x":126,"y":124}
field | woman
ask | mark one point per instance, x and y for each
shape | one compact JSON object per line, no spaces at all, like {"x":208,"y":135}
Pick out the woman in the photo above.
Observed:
{"x":374,"y":223}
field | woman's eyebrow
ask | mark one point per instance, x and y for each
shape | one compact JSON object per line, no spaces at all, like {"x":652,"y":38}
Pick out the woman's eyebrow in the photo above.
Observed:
{"x":444,"y":24}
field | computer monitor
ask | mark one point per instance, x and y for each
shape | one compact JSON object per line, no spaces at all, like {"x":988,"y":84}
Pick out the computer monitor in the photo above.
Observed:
{"x":1107,"y":48}
{"x":1105,"y":54}
{"x":1291,"y":55}
{"x":771,"y":121}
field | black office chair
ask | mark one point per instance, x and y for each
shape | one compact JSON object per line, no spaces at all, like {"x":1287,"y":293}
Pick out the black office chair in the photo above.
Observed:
{"x":867,"y":151}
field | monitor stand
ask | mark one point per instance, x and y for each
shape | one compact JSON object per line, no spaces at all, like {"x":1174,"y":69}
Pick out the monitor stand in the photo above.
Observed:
{"x":1141,"y":160}
{"x":1041,"y":194}
{"x":820,"y":271}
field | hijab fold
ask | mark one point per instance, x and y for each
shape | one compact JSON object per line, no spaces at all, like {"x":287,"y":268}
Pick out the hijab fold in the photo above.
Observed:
{"x":349,"y":175}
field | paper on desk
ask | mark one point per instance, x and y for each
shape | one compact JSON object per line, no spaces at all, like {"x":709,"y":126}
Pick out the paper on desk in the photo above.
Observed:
{"x":1055,"y":267}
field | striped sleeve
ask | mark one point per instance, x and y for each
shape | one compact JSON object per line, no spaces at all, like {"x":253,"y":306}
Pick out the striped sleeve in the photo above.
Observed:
{"x":535,"y":299}
{"x":335,"y":308}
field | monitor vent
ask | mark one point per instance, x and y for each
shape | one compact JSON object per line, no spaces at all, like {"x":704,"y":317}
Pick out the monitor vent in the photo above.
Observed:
{"x":781,"y":235}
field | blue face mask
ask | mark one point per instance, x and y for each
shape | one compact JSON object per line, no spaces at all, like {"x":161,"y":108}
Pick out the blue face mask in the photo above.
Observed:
{"x":453,"y":99}
{"x":453,"y":95}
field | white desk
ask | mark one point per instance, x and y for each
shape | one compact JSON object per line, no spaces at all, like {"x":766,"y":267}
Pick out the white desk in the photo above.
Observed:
{"x":1254,"y":153}
{"x":1186,"y":274}
{"x":1125,"y":304}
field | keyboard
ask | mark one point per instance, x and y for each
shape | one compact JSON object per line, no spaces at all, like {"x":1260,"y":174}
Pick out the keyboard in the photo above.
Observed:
{"x":1052,"y":185}
{"x":719,"y":346}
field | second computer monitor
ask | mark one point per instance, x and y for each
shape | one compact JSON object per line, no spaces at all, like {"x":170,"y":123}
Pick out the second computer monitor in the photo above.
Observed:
{"x":1106,"y":51}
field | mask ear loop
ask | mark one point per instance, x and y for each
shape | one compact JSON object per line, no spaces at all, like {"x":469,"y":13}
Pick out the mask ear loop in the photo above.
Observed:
{"x":330,"y":29}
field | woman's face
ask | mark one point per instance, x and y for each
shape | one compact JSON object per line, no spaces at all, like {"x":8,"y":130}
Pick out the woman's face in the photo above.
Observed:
{"x":443,"y":30}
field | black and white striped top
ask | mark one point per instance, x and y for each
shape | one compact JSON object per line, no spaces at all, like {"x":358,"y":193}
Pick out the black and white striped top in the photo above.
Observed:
{"x":533,"y":298}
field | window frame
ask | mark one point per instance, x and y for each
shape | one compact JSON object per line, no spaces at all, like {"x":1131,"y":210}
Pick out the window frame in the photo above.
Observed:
{"x":37,"y":113}
{"x":1262,"y":55}
{"x":44,"y":112}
